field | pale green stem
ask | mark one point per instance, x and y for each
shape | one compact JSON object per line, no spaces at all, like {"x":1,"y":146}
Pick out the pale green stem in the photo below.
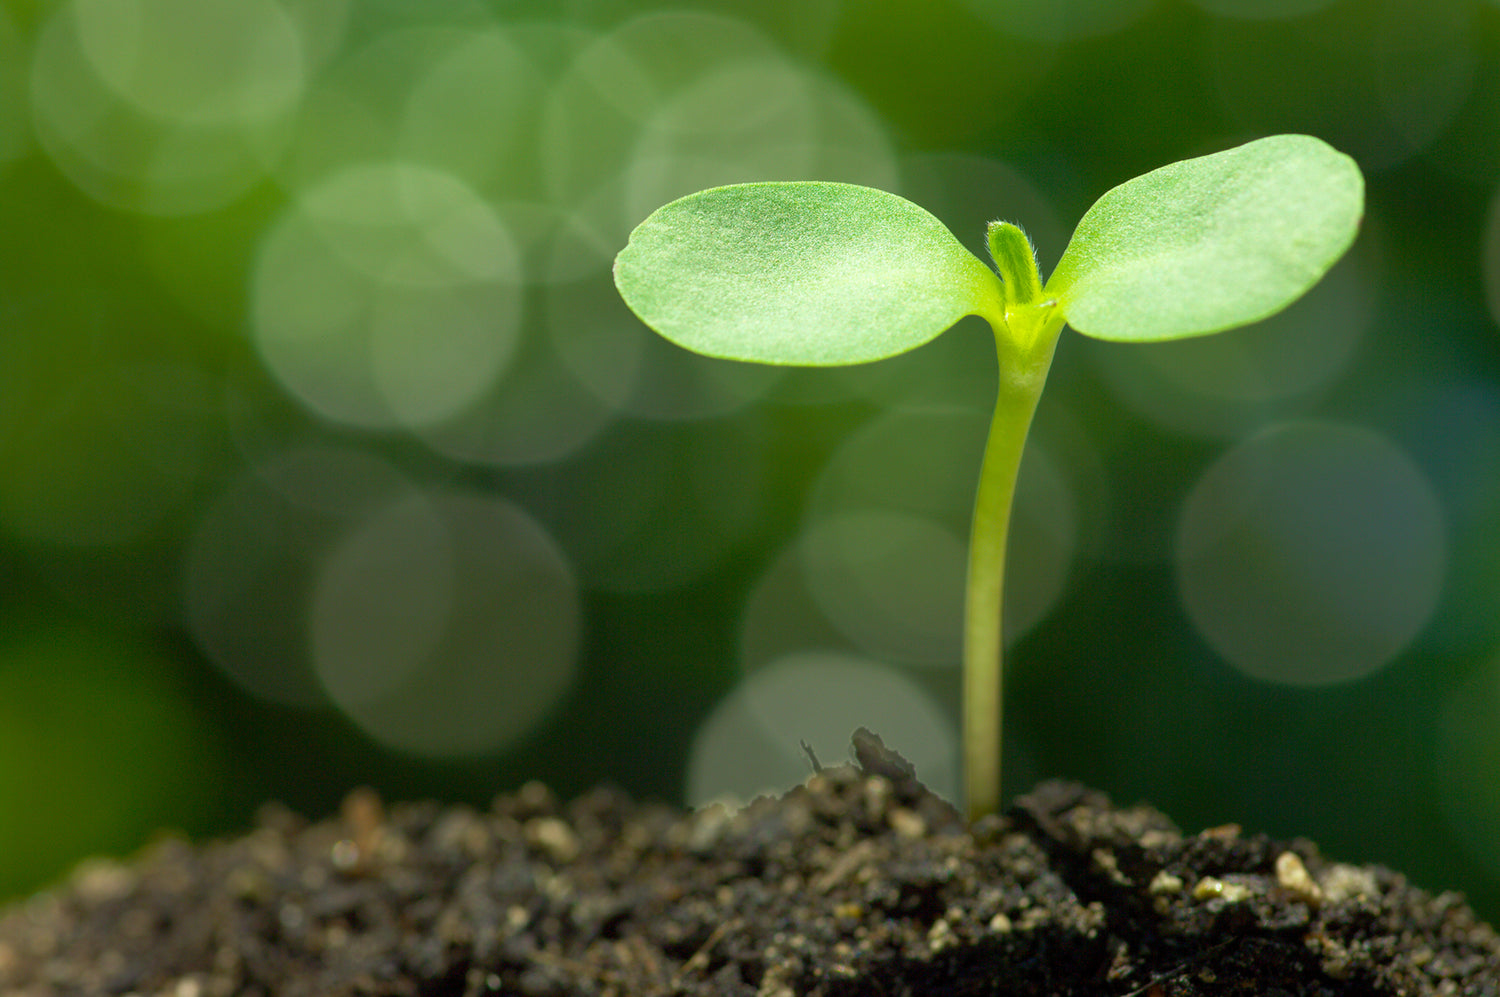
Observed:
{"x":1024,"y":361}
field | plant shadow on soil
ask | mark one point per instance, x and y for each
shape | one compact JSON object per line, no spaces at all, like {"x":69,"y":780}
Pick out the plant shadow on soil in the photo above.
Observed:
{"x":858,"y":883}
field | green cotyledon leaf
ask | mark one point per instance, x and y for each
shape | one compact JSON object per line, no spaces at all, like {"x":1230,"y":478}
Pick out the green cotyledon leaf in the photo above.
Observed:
{"x":1210,"y":243}
{"x":806,"y":273}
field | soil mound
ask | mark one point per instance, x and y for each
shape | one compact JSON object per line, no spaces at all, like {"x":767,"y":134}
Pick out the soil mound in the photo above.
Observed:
{"x":859,"y":882}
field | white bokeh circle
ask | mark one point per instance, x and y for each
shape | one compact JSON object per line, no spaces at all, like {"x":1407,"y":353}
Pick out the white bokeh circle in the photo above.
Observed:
{"x":446,"y":625}
{"x":388,"y":296}
{"x":1311,"y":554}
{"x":139,"y":115}
{"x":254,"y":551}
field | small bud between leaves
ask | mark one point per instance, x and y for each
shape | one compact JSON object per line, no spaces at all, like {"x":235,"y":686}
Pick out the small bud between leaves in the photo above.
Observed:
{"x":1015,"y":259}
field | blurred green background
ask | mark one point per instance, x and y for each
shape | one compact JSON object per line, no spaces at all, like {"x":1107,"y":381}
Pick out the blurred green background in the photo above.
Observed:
{"x":329,"y":457}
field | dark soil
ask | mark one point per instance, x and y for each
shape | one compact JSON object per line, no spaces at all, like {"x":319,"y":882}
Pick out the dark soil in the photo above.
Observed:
{"x":858,"y":883}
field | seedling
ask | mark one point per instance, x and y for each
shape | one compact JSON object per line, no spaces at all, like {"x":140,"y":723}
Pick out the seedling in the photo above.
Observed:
{"x":827,"y":274}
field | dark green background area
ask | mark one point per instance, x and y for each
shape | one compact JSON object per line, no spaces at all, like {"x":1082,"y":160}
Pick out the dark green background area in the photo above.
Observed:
{"x":129,"y":379}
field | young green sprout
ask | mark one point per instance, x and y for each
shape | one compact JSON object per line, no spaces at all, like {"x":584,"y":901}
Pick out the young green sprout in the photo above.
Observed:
{"x":826,"y":274}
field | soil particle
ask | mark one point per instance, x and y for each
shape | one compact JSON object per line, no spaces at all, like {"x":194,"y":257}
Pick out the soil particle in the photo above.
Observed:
{"x":856,"y":884}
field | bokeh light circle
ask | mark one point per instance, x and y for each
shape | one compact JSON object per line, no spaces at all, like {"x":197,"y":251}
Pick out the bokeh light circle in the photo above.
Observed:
{"x":249,"y":568}
{"x":537,"y":414}
{"x":389,"y":295}
{"x":468,"y":111}
{"x":631,"y":370}
{"x":595,"y":111}
{"x":195,"y":61}
{"x":673,"y":101}
{"x":446,"y":625}
{"x":164,"y":131}
{"x":919,"y":468}
{"x":781,"y":617}
{"x":750,"y":744}
{"x":1311,"y":554}
{"x":892,"y":582}
{"x":756,"y":119}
